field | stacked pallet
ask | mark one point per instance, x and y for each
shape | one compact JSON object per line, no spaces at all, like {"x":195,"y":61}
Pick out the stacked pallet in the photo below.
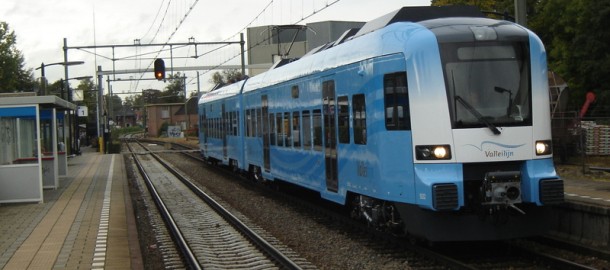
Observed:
{"x":597,"y":138}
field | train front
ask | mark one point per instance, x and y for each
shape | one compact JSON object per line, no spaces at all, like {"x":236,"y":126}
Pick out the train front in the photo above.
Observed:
{"x":481,"y":132}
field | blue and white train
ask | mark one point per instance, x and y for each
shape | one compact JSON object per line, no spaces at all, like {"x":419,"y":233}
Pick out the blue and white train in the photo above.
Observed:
{"x":433,"y":121}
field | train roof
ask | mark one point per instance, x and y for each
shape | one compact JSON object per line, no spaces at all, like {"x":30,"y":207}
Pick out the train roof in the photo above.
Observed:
{"x":223,"y":92}
{"x":368,"y":46}
{"x":418,"y":14}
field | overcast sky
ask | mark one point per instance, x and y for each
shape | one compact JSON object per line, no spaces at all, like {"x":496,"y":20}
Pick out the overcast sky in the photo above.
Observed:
{"x":42,"y":25}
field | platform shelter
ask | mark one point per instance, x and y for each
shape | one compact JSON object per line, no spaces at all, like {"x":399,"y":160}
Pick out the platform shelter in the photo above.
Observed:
{"x":34,"y":132}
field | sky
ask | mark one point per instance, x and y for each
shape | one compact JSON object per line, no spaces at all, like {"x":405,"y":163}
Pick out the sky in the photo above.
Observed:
{"x":41,"y":26}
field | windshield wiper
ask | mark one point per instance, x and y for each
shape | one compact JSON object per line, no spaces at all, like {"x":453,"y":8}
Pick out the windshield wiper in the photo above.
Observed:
{"x":478,"y":115}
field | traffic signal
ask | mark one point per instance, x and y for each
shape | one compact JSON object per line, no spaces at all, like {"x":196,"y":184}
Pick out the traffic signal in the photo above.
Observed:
{"x":159,"y":69}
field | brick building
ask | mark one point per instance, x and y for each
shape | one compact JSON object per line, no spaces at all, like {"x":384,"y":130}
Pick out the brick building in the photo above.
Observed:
{"x":172,"y":114}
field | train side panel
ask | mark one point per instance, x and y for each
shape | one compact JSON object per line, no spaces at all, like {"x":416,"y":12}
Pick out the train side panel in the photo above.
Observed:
{"x":220,"y":135}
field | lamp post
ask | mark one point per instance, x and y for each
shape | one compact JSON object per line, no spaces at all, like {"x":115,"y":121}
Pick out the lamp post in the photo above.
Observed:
{"x":43,"y":80}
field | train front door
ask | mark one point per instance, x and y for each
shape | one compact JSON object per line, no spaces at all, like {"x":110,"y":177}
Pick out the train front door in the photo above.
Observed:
{"x":330,"y":130}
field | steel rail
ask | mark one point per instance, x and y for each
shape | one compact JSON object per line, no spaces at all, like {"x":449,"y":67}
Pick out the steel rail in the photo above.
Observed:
{"x":188,"y":255}
{"x":257,"y":240}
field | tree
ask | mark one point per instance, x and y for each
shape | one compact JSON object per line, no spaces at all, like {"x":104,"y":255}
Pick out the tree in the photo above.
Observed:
{"x":493,"y":8}
{"x":576,"y":36}
{"x":13,"y":76}
{"x":174,"y":91}
{"x":56,"y":88}
{"x":228,"y":76}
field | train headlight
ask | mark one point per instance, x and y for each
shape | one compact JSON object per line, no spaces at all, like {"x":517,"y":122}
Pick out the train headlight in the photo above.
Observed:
{"x":432,"y":152}
{"x":544,"y":148}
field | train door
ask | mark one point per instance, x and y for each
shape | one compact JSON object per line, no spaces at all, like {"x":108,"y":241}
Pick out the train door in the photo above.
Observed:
{"x":223,"y":129}
{"x":206,"y":130}
{"x":330,"y":128}
{"x":265,"y":123}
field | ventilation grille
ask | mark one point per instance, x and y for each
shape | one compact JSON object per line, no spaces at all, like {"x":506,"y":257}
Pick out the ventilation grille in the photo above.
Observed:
{"x":445,"y":196}
{"x":551,"y":191}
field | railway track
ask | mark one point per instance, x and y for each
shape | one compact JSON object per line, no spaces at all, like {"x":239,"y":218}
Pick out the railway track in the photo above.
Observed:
{"x":512,"y":254}
{"x":207,"y":235}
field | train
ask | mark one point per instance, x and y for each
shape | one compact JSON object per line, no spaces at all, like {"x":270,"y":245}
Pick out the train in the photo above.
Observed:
{"x":432,"y":122}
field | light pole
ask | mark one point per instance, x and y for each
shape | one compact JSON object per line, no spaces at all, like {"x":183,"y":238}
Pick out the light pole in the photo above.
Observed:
{"x":43,"y":80}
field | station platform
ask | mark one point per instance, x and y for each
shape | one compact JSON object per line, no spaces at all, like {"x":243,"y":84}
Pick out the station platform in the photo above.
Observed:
{"x":86,"y":223}
{"x":587,"y":191}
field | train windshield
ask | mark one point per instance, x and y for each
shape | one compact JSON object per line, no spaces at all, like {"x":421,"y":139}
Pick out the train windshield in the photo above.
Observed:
{"x":488,"y":83}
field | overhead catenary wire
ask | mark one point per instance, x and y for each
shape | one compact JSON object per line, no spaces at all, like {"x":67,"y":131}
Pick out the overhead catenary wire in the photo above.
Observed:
{"x":141,"y":55}
{"x":314,"y":12}
{"x":172,"y":34}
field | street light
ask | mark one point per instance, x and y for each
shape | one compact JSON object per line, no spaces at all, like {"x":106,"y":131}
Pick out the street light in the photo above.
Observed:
{"x":43,"y":90}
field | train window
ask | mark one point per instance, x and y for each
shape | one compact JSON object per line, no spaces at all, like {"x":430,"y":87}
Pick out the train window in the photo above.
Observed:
{"x":317,"y":130}
{"x":204,"y":124}
{"x":272,"y":129}
{"x":295,"y":91}
{"x":396,"y":101}
{"x":287,"y":130}
{"x":489,"y":83}
{"x":230,"y":124}
{"x":359,"y":111}
{"x":252,"y":122}
{"x":306,"y":130}
{"x":343,"y":104}
{"x":216,"y":127}
{"x":259,"y":122}
{"x":218,"y":130}
{"x":278,"y":125}
{"x":234,"y":123}
{"x":213,"y":127}
{"x":296,"y":129}
{"x":248,"y":128}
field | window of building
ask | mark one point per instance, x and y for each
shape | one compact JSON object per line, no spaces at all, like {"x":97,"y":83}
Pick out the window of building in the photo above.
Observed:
{"x":165,"y":112}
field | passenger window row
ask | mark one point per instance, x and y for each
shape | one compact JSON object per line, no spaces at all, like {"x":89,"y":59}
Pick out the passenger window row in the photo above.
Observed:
{"x":219,"y":127}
